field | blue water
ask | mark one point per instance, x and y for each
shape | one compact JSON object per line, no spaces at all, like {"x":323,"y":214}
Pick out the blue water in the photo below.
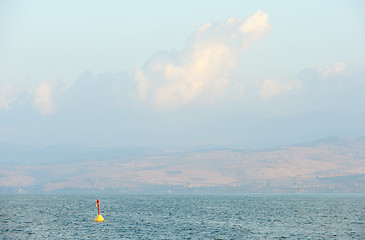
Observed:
{"x":183,"y":217}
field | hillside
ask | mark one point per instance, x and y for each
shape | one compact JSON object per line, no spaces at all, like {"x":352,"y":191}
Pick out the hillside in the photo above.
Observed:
{"x":327,"y":165}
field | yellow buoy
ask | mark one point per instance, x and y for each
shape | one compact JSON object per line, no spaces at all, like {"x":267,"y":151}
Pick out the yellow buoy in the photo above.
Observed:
{"x":98,"y":218}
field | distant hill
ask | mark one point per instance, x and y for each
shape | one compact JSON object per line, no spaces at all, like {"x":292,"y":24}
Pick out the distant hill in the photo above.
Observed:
{"x":328,"y":165}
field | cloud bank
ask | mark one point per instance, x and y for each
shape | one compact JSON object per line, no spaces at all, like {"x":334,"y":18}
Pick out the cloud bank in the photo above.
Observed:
{"x":192,"y":96}
{"x":202,"y":74}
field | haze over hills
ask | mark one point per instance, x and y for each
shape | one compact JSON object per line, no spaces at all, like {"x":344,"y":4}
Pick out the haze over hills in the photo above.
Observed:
{"x":328,"y":165}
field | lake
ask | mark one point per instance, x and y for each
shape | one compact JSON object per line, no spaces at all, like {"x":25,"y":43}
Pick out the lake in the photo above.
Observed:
{"x":185,"y":216}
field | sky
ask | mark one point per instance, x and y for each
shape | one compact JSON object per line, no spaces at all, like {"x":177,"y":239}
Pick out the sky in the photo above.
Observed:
{"x":244,"y":74}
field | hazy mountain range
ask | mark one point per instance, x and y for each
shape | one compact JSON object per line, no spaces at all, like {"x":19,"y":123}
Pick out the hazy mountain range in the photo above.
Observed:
{"x":328,"y":165}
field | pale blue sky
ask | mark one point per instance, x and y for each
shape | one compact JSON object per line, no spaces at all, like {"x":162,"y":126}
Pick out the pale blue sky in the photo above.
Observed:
{"x":43,"y":40}
{"x":309,"y":60}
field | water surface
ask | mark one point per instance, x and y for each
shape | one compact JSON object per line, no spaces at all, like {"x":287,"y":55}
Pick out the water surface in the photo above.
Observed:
{"x":183,"y":216}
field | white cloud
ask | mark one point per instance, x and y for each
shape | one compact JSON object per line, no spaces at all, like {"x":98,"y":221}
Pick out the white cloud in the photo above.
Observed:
{"x":6,"y":97}
{"x":271,"y":88}
{"x":255,"y":28}
{"x":13,"y":95}
{"x":43,"y":98}
{"x":204,"y":68}
{"x":207,"y":70}
{"x":330,"y":70}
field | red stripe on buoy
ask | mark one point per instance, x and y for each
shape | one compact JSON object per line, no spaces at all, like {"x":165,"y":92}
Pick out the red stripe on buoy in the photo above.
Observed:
{"x":97,"y":204}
